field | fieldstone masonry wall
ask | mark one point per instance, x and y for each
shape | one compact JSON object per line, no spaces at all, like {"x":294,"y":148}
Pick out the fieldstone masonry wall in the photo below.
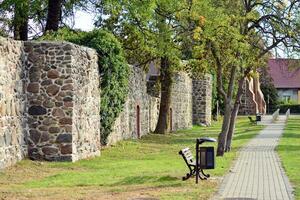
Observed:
{"x":202,"y":98}
{"x":12,"y":100}
{"x":186,"y":97}
{"x":49,"y":101}
{"x":136,"y":109}
{"x":62,"y":94}
{"x":181,"y":102}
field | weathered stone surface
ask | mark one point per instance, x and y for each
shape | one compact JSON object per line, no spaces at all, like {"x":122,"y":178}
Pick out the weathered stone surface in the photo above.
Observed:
{"x":38,"y":115}
{"x":33,"y":87}
{"x":66,"y":149}
{"x":46,"y":82}
{"x":45,"y":137}
{"x":65,"y":120}
{"x":54,"y":129}
{"x":49,"y":121}
{"x":190,"y":103}
{"x":48,"y":150}
{"x":52,"y":90}
{"x":34,"y":74}
{"x":35,"y":136}
{"x":53,"y":74}
{"x":57,"y":112}
{"x":64,"y":138}
{"x":48,"y":103}
{"x":67,"y":87}
{"x":37,"y":110}
{"x":202,"y":98}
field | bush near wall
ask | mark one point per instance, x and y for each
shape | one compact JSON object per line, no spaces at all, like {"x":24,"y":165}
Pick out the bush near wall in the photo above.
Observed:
{"x":113,"y":68}
{"x":295,"y":108}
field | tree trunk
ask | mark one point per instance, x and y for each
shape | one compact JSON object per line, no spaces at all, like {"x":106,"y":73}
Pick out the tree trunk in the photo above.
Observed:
{"x":222,"y":138}
{"x":232,"y":121}
{"x":235,"y":111}
{"x":163,"y":124}
{"x":54,"y":15}
{"x":20,"y":22}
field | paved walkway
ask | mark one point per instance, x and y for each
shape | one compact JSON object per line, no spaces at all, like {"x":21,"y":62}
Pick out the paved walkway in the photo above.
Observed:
{"x":257,"y":173}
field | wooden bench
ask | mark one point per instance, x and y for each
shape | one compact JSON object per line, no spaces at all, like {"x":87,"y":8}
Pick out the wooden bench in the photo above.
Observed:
{"x":190,"y":162}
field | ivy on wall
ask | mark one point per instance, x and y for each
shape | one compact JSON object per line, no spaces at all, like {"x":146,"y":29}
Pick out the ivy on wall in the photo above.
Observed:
{"x":113,"y":68}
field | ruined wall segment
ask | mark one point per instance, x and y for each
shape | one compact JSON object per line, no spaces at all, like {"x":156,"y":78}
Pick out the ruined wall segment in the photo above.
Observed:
{"x":13,"y":147}
{"x":86,"y":103}
{"x":202,"y":99}
{"x":181,"y":102}
{"x":59,"y":101}
{"x":134,"y":120}
{"x":185,"y":93}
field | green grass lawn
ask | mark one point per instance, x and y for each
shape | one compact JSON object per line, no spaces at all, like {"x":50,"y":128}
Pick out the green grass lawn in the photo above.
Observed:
{"x":149,"y":167}
{"x":289,"y":152}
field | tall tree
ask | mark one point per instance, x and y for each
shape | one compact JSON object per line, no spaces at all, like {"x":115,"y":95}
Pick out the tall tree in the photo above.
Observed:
{"x":267,"y":25}
{"x":20,"y":21}
{"x":54,"y":15}
{"x":150,"y":31}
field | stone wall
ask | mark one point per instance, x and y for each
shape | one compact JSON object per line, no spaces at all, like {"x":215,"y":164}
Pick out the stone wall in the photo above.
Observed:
{"x":202,"y":99}
{"x":49,"y":102}
{"x":63,"y":100}
{"x":184,"y":95}
{"x":86,"y":108}
{"x":12,"y":100}
{"x":135,"y":109}
{"x":181,"y":102}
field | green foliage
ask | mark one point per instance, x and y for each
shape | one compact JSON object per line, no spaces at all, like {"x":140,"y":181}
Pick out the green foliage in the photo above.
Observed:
{"x":294,"y":108}
{"x":270,"y":96}
{"x":113,"y":69}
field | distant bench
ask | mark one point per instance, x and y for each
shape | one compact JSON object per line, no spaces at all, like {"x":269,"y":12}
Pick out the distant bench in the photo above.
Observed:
{"x":252,"y":121}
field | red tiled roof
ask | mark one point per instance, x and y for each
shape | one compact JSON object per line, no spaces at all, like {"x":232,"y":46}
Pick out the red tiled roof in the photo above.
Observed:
{"x":285,"y":72}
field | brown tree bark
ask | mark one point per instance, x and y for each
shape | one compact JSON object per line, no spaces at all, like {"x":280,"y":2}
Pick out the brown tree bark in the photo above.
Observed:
{"x":163,"y":124}
{"x":234,"y":115}
{"x":20,"y":22}
{"x":54,"y":15}
{"x":222,"y":138}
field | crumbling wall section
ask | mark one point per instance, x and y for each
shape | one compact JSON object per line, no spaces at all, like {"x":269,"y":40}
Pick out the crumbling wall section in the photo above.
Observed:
{"x":13,"y":146}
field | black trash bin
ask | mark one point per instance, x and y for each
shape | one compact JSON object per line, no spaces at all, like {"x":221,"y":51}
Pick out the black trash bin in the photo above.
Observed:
{"x":258,"y":117}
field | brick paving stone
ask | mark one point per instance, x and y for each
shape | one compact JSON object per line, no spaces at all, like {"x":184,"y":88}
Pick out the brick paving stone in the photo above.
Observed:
{"x":257,"y":173}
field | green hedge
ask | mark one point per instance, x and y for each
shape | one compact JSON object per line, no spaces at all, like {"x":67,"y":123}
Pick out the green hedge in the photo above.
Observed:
{"x":295,"y":108}
{"x":114,"y":71}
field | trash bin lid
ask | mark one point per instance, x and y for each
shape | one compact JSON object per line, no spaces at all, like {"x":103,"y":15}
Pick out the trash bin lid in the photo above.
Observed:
{"x":206,"y":139}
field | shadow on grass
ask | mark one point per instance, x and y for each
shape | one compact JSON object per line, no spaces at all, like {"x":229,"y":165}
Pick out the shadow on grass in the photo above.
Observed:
{"x":133,"y":180}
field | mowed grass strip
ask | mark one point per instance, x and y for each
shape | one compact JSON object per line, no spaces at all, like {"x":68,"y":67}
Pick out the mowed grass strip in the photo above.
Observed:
{"x":149,"y":167}
{"x":289,"y":152}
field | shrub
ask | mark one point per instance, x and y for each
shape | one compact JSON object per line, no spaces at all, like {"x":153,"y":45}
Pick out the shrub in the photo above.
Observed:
{"x":114,"y":71}
{"x":295,"y":108}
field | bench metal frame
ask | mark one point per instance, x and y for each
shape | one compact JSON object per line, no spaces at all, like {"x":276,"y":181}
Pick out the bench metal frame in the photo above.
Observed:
{"x":191,"y":164}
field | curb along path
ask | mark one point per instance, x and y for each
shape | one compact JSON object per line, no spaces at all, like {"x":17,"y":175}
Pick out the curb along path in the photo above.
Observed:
{"x":257,"y":173}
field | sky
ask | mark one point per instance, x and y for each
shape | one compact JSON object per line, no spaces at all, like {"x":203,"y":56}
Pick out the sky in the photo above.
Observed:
{"x":84,"y":20}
